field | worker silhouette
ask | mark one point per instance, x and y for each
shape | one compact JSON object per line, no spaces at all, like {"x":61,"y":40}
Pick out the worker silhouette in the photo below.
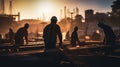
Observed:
{"x":67,"y":36}
{"x":110,"y":37}
{"x":50,"y":34}
{"x":74,"y":37}
{"x":21,"y":34}
{"x":11,"y":35}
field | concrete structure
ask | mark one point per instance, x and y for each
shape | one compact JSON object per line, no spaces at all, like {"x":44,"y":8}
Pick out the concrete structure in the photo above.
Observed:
{"x":92,"y":20}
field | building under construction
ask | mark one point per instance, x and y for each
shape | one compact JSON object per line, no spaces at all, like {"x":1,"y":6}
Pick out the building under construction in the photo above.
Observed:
{"x":7,"y":20}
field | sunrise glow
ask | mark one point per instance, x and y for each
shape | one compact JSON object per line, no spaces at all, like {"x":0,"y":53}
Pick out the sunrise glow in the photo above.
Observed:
{"x":44,"y":9}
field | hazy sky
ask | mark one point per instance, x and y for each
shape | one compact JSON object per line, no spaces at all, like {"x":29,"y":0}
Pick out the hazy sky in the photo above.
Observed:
{"x":37,"y":8}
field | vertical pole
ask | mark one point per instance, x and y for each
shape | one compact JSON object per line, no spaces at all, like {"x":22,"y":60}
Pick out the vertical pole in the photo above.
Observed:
{"x":18,"y":16}
{"x":65,"y":11}
{"x":2,"y":6}
{"x":10,"y":7}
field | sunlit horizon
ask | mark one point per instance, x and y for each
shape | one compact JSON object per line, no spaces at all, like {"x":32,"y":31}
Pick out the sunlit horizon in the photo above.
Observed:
{"x":45,"y":9}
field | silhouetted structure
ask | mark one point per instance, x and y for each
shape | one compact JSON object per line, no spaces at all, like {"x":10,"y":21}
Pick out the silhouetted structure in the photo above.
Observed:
{"x":89,"y":15}
{"x":110,"y":37}
{"x":50,"y":34}
{"x":74,"y":37}
{"x":20,"y":34}
{"x":2,"y":6}
{"x":91,"y":19}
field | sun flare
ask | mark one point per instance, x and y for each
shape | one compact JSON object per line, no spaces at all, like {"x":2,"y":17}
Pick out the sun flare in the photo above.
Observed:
{"x":46,"y":10}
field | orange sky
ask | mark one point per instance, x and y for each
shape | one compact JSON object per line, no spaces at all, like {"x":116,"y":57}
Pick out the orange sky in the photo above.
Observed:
{"x":32,"y":9}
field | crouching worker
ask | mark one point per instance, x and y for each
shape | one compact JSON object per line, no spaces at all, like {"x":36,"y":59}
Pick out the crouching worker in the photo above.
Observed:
{"x":74,"y":37}
{"x":20,"y":35}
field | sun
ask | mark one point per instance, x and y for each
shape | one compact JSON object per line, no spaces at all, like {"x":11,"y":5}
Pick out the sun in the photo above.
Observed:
{"x":46,"y":8}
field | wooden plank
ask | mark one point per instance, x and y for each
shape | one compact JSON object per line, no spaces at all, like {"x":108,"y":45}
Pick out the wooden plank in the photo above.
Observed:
{"x":22,"y":48}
